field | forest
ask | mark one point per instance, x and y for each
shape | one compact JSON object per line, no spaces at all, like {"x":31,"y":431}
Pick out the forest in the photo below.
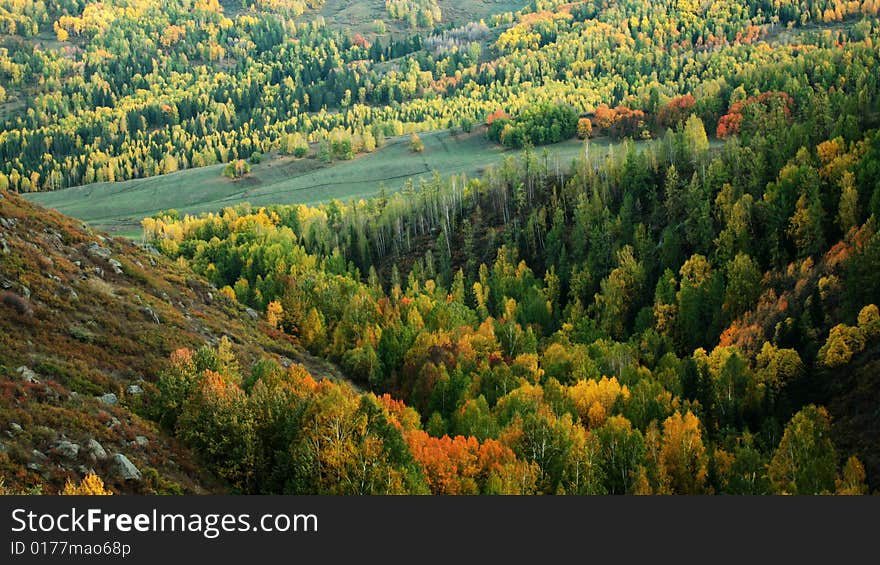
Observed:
{"x":665,"y":321}
{"x":695,"y":315}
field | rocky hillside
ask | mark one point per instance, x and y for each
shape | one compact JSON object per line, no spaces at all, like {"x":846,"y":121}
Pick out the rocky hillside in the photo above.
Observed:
{"x":86,"y":323}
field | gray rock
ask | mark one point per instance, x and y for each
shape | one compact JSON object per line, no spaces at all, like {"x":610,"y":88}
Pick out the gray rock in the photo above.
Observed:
{"x":109,"y":399}
{"x":67,"y":449}
{"x":27,"y":375}
{"x":96,"y":449}
{"x":114,"y":422}
{"x":252,"y":314}
{"x":141,"y":440}
{"x":126,"y":468}
{"x":3,"y":448}
{"x":150,"y":314}
{"x":35,"y":467}
{"x":25,"y":291}
{"x":117,"y":266}
{"x":4,"y":247}
{"x":99,"y":271}
{"x":15,"y":426}
{"x":97,"y":251}
{"x":39,"y":455}
{"x":134,"y":390}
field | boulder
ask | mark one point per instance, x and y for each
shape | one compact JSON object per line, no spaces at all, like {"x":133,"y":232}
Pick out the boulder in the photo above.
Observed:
{"x":134,"y":390}
{"x":67,"y":449}
{"x":96,"y":449}
{"x":141,"y":440}
{"x":109,"y":399}
{"x":15,"y":427}
{"x":151,"y":315}
{"x":252,"y":314}
{"x":117,"y":266}
{"x":27,"y":375}
{"x":97,"y":251}
{"x":125,"y":468}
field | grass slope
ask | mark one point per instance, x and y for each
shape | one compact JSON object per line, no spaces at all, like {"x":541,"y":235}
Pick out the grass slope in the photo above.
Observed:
{"x":86,"y":328}
{"x":359,"y":15}
{"x":119,"y":207}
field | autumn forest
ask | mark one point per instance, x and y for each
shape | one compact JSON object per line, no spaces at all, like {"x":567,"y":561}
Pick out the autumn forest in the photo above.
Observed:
{"x":688,"y":306}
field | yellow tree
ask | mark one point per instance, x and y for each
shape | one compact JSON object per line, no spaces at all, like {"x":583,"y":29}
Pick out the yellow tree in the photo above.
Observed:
{"x":90,"y":485}
{"x":683,"y":455}
{"x":274,"y":312}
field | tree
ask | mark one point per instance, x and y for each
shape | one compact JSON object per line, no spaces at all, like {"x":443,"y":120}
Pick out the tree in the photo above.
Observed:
{"x":699,"y":298}
{"x":683,"y":455}
{"x":584,"y":128}
{"x":620,"y":295}
{"x":848,"y":209}
{"x":274,"y":313}
{"x":676,"y":111}
{"x":805,"y":462}
{"x":623,"y":449}
{"x":852,"y":480}
{"x":743,"y":285}
{"x":695,"y":136}
{"x":843,"y":342}
{"x":91,"y":485}
{"x":236,"y":169}
{"x":805,"y":226}
{"x":416,"y":145}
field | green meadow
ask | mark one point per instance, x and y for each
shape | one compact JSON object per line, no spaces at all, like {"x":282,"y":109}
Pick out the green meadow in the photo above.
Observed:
{"x":119,"y":207}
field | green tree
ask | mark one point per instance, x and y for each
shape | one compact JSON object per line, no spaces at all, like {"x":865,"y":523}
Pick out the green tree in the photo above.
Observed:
{"x":805,"y":462}
{"x":743,"y":285}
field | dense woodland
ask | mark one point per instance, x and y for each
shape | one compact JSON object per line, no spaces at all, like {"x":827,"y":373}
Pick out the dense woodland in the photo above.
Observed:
{"x":134,"y":88}
{"x":666,"y":320}
{"x":696,"y":314}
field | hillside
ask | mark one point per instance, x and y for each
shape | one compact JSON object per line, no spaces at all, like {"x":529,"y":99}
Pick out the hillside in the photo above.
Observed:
{"x":83,"y":317}
{"x":557,"y":247}
{"x":119,"y":207}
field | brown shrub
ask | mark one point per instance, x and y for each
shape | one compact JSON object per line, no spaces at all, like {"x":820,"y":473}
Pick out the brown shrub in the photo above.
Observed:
{"x":18,"y":303}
